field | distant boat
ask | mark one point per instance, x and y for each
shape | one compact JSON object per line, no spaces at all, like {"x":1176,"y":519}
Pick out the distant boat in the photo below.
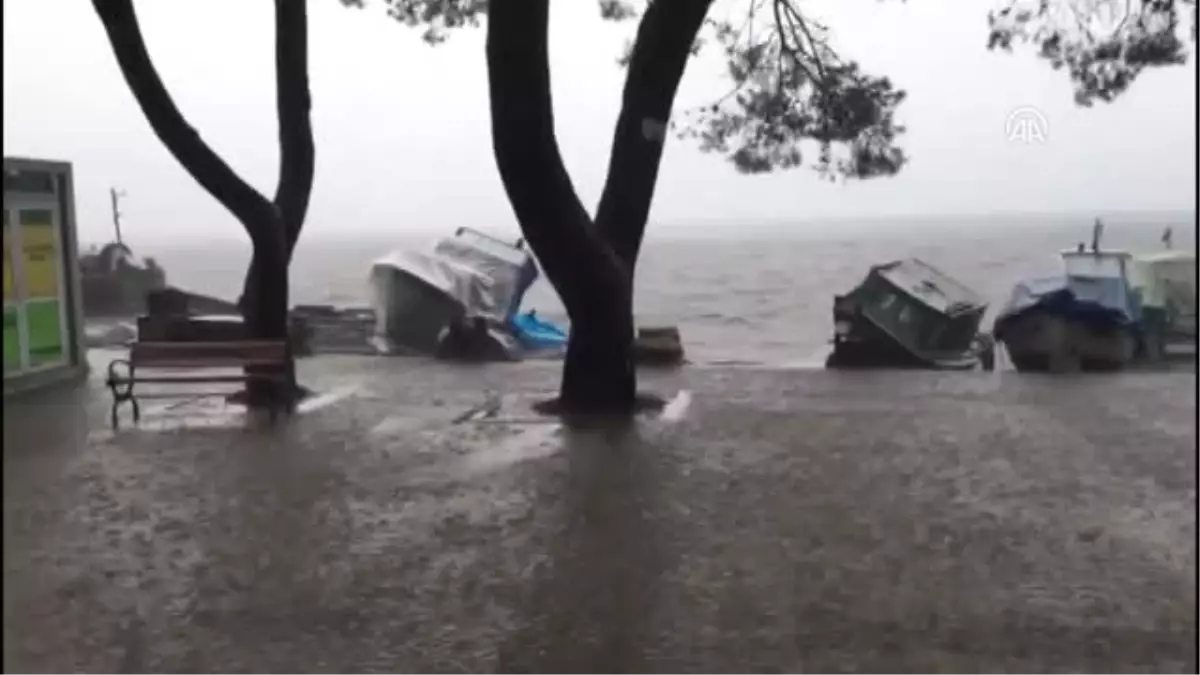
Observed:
{"x":907,"y":313}
{"x":115,"y":282}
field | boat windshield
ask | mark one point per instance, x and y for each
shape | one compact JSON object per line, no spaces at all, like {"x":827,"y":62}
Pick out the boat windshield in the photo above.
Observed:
{"x":1094,"y":265}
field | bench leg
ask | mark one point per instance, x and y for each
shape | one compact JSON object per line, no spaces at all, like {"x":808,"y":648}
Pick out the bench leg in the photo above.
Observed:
{"x":121,"y":387}
{"x":120,"y":397}
{"x":115,"y":411}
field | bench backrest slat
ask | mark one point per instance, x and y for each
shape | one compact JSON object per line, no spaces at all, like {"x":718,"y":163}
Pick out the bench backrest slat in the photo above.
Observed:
{"x":208,"y":354}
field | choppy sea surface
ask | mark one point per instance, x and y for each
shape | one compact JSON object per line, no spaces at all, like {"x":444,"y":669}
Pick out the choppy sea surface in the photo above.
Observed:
{"x":745,"y":293}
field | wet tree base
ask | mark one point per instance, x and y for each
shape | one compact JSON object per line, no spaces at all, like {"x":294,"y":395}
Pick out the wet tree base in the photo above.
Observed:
{"x":292,"y":396}
{"x":644,"y":403}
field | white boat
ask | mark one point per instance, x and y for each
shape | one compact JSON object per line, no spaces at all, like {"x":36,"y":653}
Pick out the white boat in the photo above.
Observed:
{"x":469,"y":279}
{"x":1166,"y":281}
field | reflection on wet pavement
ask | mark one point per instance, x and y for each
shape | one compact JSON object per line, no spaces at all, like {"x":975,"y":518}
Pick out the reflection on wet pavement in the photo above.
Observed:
{"x":762,"y":522}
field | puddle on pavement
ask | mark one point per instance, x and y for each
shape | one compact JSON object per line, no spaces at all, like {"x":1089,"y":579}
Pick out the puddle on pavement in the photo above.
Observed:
{"x":533,"y":437}
{"x":207,"y":412}
{"x":677,"y":408}
{"x":325,"y":400}
{"x":526,"y":443}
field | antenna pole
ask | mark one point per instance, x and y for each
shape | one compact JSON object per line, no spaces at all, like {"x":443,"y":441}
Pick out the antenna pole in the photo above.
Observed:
{"x":1097,"y":232}
{"x":116,"y":213}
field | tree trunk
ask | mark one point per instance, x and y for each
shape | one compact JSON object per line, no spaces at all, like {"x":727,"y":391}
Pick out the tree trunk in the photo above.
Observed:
{"x":293,"y":104}
{"x":265,"y":312}
{"x":665,"y":36}
{"x":584,"y":270}
{"x":660,"y":55}
{"x":589,"y":263}
{"x":265,"y":306}
{"x":297,"y":162}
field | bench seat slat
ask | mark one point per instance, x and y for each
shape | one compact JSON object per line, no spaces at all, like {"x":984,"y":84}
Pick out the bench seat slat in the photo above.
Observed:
{"x":169,"y":395}
{"x":199,"y":379}
{"x":200,"y":363}
{"x":273,"y":352}
{"x":193,"y":346}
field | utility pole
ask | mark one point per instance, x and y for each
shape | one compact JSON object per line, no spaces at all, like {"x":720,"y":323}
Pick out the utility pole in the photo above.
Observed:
{"x":116,"y":213}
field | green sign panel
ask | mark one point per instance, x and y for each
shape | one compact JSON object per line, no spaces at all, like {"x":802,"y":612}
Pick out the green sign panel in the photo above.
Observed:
{"x":12,"y":341}
{"x":34,"y":335}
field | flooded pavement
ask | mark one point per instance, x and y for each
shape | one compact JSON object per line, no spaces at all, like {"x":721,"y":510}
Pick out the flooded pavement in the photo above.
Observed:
{"x":421,"y":518}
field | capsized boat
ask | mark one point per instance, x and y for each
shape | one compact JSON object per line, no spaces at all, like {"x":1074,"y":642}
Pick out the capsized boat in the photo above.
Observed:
{"x":466,"y":289}
{"x":907,"y":313}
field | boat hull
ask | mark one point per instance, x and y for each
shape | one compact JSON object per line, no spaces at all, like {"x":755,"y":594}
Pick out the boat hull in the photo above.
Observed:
{"x":865,"y":346}
{"x":1043,"y":341}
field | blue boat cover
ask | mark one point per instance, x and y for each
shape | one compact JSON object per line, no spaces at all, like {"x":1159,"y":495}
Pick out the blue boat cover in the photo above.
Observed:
{"x":526,"y":275}
{"x":1101,"y":302}
{"x":535,"y":334}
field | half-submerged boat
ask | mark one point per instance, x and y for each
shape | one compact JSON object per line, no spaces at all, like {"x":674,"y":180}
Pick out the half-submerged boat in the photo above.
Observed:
{"x":907,"y":314}
{"x":1108,"y":309}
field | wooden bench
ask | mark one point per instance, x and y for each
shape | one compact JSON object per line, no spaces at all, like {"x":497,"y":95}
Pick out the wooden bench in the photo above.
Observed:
{"x":169,"y":363}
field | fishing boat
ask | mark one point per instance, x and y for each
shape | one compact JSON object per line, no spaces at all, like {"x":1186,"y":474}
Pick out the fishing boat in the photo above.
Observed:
{"x":907,"y":314}
{"x":114,"y":282}
{"x":1107,"y":310}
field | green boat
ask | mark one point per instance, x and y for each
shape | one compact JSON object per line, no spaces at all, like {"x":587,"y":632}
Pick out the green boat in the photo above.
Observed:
{"x":907,"y":314}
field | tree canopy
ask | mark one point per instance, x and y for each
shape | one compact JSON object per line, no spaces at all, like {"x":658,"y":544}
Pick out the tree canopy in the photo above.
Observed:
{"x":790,"y":88}
{"x":1104,"y":45}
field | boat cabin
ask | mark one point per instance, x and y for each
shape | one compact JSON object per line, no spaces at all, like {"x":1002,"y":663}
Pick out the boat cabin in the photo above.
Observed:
{"x":1166,"y":284}
{"x":1167,"y":277}
{"x":1080,"y":262}
{"x":1104,"y":277}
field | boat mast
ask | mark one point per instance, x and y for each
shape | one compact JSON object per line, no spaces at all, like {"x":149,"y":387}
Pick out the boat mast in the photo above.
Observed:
{"x":116,"y":213}
{"x":1097,"y":232}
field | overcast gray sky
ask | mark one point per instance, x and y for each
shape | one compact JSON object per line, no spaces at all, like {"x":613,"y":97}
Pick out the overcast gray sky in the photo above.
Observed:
{"x":403,"y":135}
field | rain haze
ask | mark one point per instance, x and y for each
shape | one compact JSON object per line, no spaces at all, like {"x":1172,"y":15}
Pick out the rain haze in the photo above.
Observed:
{"x":938,"y":422}
{"x":403,"y":138}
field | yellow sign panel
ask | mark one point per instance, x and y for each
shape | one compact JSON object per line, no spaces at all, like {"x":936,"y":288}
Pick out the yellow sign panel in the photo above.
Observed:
{"x":40,"y":254}
{"x":10,"y":289}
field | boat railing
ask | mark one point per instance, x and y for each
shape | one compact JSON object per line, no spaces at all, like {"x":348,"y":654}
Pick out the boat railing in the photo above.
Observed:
{"x":519,"y":244}
{"x":960,"y":308}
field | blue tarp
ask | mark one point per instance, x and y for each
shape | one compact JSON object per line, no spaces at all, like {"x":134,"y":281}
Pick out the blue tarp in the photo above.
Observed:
{"x":1098,"y":301}
{"x":535,"y":334}
{"x":526,"y":276}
